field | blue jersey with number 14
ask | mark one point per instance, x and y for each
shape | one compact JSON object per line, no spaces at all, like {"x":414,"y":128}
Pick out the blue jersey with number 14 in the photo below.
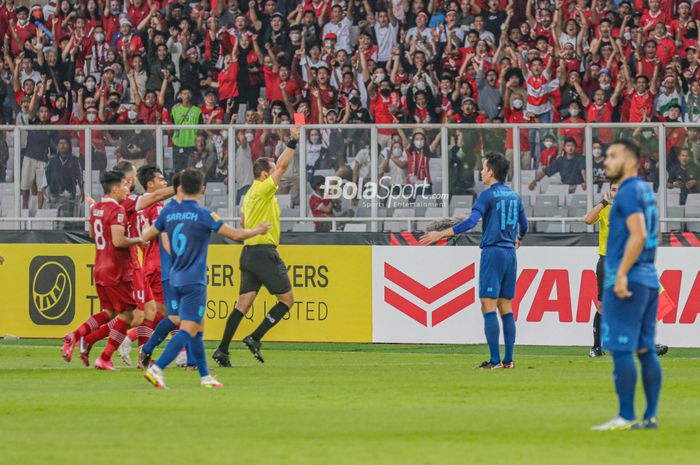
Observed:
{"x":633,"y":196}
{"x":502,"y":211}
{"x":189,"y":228}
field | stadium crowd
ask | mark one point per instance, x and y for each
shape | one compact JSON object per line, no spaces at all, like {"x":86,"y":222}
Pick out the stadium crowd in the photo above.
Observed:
{"x":105,"y":62}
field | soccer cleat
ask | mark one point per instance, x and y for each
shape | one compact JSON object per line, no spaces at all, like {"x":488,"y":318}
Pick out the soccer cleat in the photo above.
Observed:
{"x":649,"y":423}
{"x":661,"y":349}
{"x":490,"y":366}
{"x":125,"y":351}
{"x":68,"y":346}
{"x":154,"y":375}
{"x":254,"y":348}
{"x":106,"y":365}
{"x":85,"y":352}
{"x":616,"y":424}
{"x":221,"y":358}
{"x":508,"y":365}
{"x":210,"y":382}
{"x":596,"y":352}
{"x":181,"y":359}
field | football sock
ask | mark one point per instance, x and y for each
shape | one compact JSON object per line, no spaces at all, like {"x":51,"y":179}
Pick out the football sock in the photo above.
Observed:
{"x":159,"y":335}
{"x":172,"y":348}
{"x":273,"y":317}
{"x":234,"y":319}
{"x":92,"y":323}
{"x":145,"y":331}
{"x":596,"y":330}
{"x":116,"y":337}
{"x":625,"y":374}
{"x":190,"y":357}
{"x":133,"y":334}
{"x":101,"y":333}
{"x":508,"y":336}
{"x":651,"y":378}
{"x":492,"y":332}
{"x":199,"y":354}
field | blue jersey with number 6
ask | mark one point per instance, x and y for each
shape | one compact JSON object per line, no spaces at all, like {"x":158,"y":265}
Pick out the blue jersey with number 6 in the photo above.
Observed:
{"x":189,"y":228}
{"x":633,"y":196}
{"x":502,"y":212}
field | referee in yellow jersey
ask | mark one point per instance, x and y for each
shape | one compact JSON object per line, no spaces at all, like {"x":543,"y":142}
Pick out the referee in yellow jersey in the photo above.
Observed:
{"x":260,"y":264}
{"x":600,"y":214}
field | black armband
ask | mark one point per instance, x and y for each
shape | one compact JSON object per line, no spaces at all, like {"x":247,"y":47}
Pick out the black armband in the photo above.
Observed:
{"x":292,"y":143}
{"x":604,"y":203}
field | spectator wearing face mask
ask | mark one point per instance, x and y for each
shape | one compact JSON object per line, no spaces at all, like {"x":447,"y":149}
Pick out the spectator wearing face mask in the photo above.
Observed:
{"x":599,"y":177}
{"x":576,"y":134}
{"x":136,"y":145}
{"x":550,"y":151}
{"x":319,"y":205}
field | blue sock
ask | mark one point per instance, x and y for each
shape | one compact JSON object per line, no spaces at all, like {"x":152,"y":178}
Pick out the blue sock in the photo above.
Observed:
{"x":625,"y":374}
{"x":492,"y":332}
{"x":173,"y":348}
{"x":162,"y":330}
{"x":190,"y":357}
{"x":651,"y":378}
{"x":199,"y":354}
{"x":508,"y":336}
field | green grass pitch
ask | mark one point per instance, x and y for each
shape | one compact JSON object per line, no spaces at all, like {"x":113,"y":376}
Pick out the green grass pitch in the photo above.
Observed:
{"x":337,"y":404}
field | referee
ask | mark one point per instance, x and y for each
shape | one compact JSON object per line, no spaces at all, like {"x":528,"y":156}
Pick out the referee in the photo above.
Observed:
{"x":600,"y":214}
{"x":260,"y":264}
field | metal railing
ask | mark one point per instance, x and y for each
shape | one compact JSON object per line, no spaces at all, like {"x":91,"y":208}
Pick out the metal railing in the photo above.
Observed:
{"x":359,"y":137}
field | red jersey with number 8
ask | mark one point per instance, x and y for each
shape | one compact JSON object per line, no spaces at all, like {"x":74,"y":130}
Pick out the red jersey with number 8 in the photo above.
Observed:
{"x":111,"y":263}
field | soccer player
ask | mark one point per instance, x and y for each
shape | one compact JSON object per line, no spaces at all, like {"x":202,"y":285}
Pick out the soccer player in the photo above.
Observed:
{"x":505,"y":224}
{"x":600,"y":214}
{"x":112,"y":277}
{"x":260,"y":264}
{"x":188,"y":227}
{"x":631,"y":295}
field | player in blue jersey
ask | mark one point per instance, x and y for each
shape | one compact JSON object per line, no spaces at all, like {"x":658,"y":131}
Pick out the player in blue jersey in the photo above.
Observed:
{"x":504,"y":225}
{"x":631,"y":294}
{"x":188,"y":227}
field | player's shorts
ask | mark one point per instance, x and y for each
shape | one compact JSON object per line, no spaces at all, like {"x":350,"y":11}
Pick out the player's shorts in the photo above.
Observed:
{"x":169,"y":297}
{"x":497,"y":273}
{"x":190,"y":302}
{"x":261,"y":265}
{"x":117,"y":298}
{"x":154,"y":283}
{"x":600,"y":276}
{"x":630,"y":324}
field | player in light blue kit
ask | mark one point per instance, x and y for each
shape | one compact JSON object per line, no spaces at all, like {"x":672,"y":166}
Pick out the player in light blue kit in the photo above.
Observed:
{"x":188,"y":227}
{"x":505,"y":224}
{"x":631,"y":295}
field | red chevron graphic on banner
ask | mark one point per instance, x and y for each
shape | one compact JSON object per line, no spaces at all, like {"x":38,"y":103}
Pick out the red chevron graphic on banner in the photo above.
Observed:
{"x":429,"y":295}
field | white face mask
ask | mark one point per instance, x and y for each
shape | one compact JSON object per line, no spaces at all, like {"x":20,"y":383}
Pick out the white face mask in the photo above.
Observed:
{"x":420,"y":85}
{"x":132,"y":114}
{"x":99,"y":37}
{"x":22,"y":22}
{"x":249,"y":136}
{"x":573,"y":111}
{"x":548,"y":144}
{"x":397,"y":152}
{"x":295,"y":37}
{"x":597,"y":152}
{"x":517,"y":104}
{"x":628,"y":35}
{"x":378,"y":78}
{"x":90,"y":86}
{"x":604,"y":85}
{"x":91,"y":117}
{"x":314,"y":140}
{"x":419,"y":143}
{"x":276,"y":112}
{"x":79,"y":79}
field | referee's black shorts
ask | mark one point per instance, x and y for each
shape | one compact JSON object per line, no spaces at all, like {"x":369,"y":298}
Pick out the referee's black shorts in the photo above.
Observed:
{"x":261,"y":265}
{"x":600,"y":276}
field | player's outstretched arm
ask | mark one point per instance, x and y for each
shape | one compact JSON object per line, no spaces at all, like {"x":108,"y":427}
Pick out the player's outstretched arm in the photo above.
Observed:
{"x":287,"y":156}
{"x":147,"y":200}
{"x":243,"y":234}
{"x":633,"y":248}
{"x":459,"y":228}
{"x":150,"y":234}
{"x":120,"y":240}
{"x":592,"y":216}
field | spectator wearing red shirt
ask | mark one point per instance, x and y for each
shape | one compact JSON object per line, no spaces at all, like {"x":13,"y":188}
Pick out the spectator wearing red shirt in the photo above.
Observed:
{"x":549,"y":152}
{"x":641,"y":95}
{"x":20,"y":30}
{"x":319,"y":205}
{"x":599,"y":110}
{"x":576,"y":134}
{"x":128,"y":41}
{"x":665,"y":46}
{"x":275,"y":75}
{"x":150,"y":109}
{"x":652,"y":16}
{"x":227,"y":80}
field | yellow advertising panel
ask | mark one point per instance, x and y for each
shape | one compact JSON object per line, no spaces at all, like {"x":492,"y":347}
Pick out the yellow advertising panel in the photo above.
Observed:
{"x":49,"y":290}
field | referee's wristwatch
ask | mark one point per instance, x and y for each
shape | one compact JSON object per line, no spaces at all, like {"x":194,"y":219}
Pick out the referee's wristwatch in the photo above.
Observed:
{"x":604,"y":203}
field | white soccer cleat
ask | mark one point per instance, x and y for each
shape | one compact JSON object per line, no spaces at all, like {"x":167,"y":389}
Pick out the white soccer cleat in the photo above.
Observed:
{"x":616,"y":424}
{"x":154,"y":375}
{"x":181,"y":359}
{"x":125,"y":351}
{"x":210,"y":382}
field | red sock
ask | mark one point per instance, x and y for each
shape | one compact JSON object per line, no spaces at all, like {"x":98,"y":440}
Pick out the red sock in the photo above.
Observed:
{"x":116,"y":337}
{"x":132,"y":334}
{"x":92,"y":324}
{"x":101,"y":333}
{"x":145,"y":331}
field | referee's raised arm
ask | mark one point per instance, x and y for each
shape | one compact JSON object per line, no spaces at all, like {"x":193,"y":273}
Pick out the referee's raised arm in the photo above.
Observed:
{"x":287,"y":156}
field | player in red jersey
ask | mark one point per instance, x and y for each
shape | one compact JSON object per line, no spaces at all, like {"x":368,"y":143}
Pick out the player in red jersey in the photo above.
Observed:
{"x":112,"y":278}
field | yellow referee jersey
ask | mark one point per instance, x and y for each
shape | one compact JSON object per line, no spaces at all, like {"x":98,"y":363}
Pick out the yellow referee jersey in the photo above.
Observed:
{"x":259,"y":206}
{"x":604,"y":223}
